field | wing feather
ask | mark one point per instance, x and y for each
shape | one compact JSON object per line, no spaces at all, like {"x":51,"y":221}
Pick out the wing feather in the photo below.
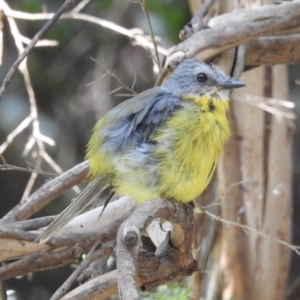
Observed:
{"x":136,"y":120}
{"x":85,"y":198}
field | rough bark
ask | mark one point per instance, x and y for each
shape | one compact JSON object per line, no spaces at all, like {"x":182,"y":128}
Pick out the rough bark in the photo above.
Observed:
{"x":257,"y":156}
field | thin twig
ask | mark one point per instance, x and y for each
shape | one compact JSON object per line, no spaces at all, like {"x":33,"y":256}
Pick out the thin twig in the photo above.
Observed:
{"x":156,"y":58}
{"x":33,"y":176}
{"x":242,"y":26}
{"x":93,"y":255}
{"x":196,"y":22}
{"x":138,"y":38}
{"x":1,"y":38}
{"x":42,"y":260}
{"x":37,"y":139}
{"x":24,"y":124}
{"x":52,"y":163}
{"x":115,"y":76}
{"x":271,"y":105}
{"x":17,"y":234}
{"x":46,"y":193}
{"x":8,"y":167}
{"x":40,"y":43}
{"x":30,"y":46}
{"x":81,"y":5}
{"x":33,"y":224}
{"x":217,"y":200}
{"x":247,"y":229}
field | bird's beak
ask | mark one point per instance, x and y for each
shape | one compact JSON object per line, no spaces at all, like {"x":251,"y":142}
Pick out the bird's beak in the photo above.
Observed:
{"x":230,"y":84}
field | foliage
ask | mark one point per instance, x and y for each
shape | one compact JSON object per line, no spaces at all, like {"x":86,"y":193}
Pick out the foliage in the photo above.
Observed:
{"x":171,"y":291}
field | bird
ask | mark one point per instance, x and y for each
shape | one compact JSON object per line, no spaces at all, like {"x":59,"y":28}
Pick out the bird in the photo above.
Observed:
{"x":163,"y":143}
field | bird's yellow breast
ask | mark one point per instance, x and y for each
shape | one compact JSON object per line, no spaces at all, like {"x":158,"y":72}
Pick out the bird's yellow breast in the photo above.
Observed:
{"x":190,"y":146}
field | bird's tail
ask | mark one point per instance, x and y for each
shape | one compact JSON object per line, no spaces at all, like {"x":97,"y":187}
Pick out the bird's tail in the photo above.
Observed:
{"x":85,"y":198}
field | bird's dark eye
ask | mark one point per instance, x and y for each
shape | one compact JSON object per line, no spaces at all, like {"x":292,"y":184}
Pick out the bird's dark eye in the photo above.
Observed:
{"x":201,"y":77}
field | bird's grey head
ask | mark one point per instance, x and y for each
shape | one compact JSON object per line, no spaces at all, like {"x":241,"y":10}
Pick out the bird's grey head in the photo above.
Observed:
{"x":193,"y":77}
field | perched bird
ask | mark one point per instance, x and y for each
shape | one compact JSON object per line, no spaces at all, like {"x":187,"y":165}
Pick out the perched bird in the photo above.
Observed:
{"x":165,"y":142}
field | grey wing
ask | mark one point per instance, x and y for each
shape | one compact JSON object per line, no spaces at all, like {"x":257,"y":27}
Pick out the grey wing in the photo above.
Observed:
{"x":137,"y":119}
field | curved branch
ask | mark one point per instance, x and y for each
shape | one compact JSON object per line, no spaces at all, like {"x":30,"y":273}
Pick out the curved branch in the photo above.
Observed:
{"x":99,"y":288}
{"x":282,"y":49}
{"x":46,"y":193}
{"x":40,"y":261}
{"x":84,"y":230}
{"x":66,"y":5}
{"x":241,"y":26}
{"x":135,"y":35}
{"x":172,"y":254}
{"x":172,"y":258}
{"x":93,"y":255}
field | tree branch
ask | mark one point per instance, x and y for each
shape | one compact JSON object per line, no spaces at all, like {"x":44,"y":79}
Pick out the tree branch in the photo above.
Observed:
{"x":242,"y":26}
{"x":86,"y":228}
{"x":282,"y":49}
{"x":177,"y":244}
{"x":128,"y":246}
{"x":197,"y":22}
{"x":99,"y":288}
{"x":93,"y":255}
{"x":30,"y":46}
{"x":46,"y":193}
{"x":168,"y":262}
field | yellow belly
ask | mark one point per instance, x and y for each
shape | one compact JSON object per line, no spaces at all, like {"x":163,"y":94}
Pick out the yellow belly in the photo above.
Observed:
{"x":187,"y":166}
{"x":180,"y":162}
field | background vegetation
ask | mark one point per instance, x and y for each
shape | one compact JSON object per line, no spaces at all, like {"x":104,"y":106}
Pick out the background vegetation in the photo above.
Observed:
{"x":72,"y":93}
